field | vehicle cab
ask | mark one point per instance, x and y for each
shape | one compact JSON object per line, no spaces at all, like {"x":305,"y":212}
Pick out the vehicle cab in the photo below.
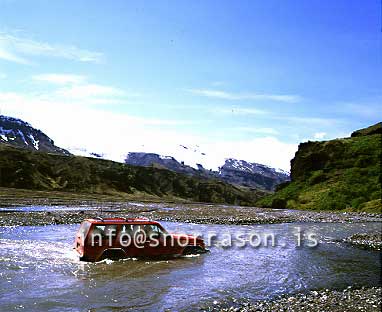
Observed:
{"x":117,"y":238}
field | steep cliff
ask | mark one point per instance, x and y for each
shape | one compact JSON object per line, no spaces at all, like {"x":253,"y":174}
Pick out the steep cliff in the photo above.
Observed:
{"x":334,"y":175}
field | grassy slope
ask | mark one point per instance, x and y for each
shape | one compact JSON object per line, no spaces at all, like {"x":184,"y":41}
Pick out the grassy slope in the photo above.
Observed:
{"x":24,"y":169}
{"x":342,"y":174}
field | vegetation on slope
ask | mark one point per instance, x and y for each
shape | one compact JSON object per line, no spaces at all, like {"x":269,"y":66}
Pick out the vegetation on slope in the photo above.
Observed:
{"x":334,"y":175}
{"x":42,"y":171}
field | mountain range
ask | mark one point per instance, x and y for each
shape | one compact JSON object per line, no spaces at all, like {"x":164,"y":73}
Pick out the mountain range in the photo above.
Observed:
{"x":233,"y":171}
{"x":342,"y":174}
{"x":29,"y":159}
{"x":20,"y":134}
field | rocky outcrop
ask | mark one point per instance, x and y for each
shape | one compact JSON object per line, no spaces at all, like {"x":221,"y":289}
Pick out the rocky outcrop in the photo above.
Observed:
{"x":334,"y":175}
{"x":361,"y":150}
{"x":375,"y":129}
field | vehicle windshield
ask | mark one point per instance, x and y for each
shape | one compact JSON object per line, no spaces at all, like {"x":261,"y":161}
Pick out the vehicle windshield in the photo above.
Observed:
{"x":153,"y":229}
{"x":105,"y":230}
{"x":84,"y":228}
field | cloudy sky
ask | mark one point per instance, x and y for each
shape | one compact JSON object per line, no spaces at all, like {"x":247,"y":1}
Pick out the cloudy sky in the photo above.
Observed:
{"x":242,"y":79}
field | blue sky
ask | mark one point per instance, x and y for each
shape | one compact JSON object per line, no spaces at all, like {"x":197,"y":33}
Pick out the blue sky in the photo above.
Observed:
{"x":244,"y":79}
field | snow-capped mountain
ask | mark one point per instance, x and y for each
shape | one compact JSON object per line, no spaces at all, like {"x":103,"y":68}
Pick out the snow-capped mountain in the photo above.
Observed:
{"x":252,"y":174}
{"x":233,"y":171}
{"x":167,"y":162}
{"x":242,"y":165}
{"x":190,"y":160}
{"x":20,"y":134}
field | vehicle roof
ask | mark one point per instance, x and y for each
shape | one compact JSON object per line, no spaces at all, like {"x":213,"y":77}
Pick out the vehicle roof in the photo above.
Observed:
{"x":99,"y":220}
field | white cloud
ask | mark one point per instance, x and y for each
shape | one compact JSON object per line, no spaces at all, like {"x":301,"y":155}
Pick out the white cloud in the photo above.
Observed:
{"x":72,"y":87}
{"x":9,"y":56}
{"x":271,"y":131}
{"x":266,"y":150}
{"x":310,"y":121}
{"x":3,"y":76}
{"x":239,"y":111}
{"x":319,"y":135}
{"x":370,"y":108}
{"x":60,"y":79}
{"x":245,"y":96}
{"x":89,"y":91}
{"x":218,"y":83}
{"x":66,"y":113}
{"x":72,"y":124}
{"x":15,"y":49}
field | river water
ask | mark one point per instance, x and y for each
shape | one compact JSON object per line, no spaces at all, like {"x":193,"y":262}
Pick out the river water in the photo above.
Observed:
{"x":39,"y":270}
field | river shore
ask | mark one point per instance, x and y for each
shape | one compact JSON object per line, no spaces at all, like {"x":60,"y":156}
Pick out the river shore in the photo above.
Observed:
{"x":371,"y":241}
{"x":348,"y":300}
{"x":122,"y":205}
{"x":175,"y":212}
{"x":39,"y":211}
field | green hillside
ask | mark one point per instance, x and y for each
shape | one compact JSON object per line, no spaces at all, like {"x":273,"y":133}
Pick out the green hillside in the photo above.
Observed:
{"x":341,"y":174}
{"x":23,"y":169}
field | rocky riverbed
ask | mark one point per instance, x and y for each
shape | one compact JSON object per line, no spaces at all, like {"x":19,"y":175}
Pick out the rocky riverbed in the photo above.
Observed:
{"x":189,"y":213}
{"x":366,"y":240}
{"x":348,"y":300}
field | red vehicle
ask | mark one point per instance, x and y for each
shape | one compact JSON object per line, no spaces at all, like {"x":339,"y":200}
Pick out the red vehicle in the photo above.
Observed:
{"x":117,"y":238}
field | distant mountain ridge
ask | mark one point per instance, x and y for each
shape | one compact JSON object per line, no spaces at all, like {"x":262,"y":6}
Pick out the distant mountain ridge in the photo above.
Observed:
{"x":28,"y":169}
{"x":252,"y":175}
{"x":20,"y":134}
{"x":156,"y":160}
{"x":238,"y":172}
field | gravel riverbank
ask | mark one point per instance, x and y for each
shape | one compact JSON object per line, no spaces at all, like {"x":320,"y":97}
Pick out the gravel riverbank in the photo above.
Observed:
{"x":190,"y":213}
{"x":348,"y":300}
{"x":27,"y":207}
{"x":366,"y":240}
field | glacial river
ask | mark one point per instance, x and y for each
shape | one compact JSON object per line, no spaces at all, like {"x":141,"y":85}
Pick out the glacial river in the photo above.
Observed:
{"x":39,"y":270}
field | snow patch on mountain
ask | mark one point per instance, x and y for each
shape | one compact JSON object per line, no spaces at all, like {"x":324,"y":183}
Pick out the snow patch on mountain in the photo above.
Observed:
{"x":34,"y":141}
{"x":17,"y":133}
{"x":279,"y":170}
{"x":246,"y":166}
{"x":234,"y":171}
{"x":165,"y":157}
